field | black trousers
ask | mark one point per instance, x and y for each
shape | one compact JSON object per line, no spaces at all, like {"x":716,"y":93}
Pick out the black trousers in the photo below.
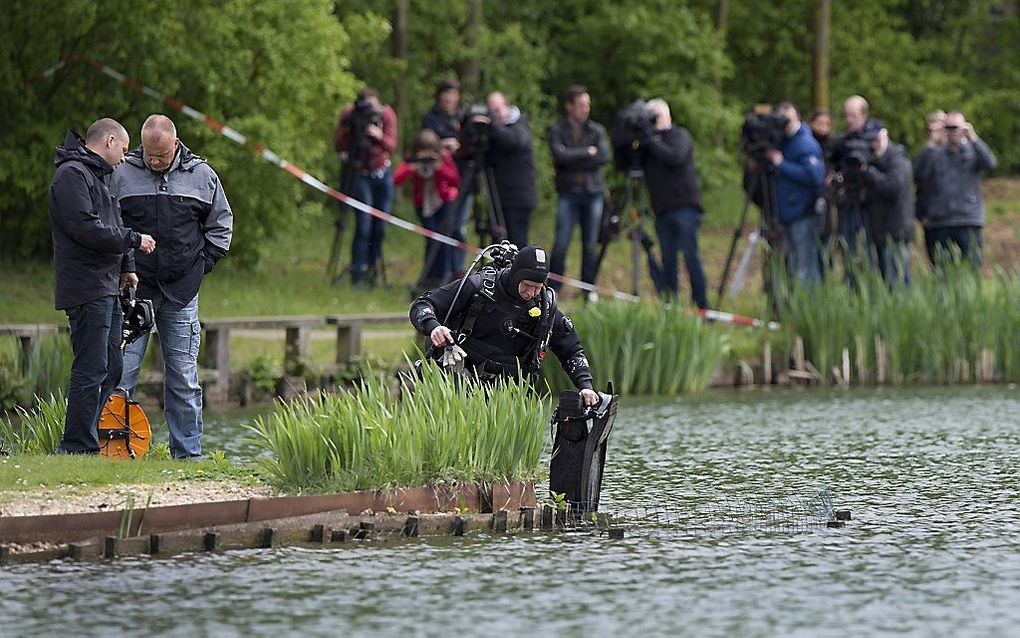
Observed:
{"x":941,"y":240}
{"x":517,"y":222}
{"x":98,"y":361}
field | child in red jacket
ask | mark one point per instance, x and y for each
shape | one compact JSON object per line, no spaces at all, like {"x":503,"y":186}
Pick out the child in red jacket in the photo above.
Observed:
{"x":434,"y":181}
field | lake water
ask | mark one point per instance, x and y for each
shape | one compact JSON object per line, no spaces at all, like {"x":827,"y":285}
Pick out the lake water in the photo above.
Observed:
{"x":930,"y":475}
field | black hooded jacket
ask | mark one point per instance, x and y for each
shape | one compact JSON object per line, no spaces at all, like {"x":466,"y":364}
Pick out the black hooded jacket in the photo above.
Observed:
{"x":505,"y":332}
{"x":91,"y":247}
{"x":669,"y":170}
{"x":512,"y":163}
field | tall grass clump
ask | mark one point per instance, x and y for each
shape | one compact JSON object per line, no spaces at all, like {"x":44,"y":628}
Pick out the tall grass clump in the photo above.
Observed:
{"x":34,"y":431}
{"x":645,"y":349}
{"x":949,"y":326}
{"x":440,"y":429}
{"x":44,"y":371}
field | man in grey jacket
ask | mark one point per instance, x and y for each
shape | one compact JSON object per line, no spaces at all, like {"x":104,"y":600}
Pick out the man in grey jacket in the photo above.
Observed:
{"x":889,"y":206}
{"x":954,"y":211}
{"x":169,"y":192}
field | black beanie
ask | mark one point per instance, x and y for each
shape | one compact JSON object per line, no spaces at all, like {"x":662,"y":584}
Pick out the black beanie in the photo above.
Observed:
{"x":530,"y":264}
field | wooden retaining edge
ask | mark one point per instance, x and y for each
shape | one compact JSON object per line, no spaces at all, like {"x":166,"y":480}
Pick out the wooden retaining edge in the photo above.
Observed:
{"x":324,"y":529}
{"x":65,"y":528}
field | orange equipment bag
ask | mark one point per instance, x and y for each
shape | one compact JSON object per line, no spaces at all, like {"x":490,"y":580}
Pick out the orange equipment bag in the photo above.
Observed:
{"x":124,"y":431}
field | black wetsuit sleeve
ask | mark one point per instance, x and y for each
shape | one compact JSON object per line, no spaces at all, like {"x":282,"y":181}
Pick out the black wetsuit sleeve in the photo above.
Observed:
{"x":428,"y":310}
{"x":566,"y":345}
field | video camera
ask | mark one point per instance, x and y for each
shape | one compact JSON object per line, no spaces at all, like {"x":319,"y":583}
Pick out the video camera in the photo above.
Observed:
{"x":854,"y":155}
{"x":476,"y":132}
{"x":138,"y":316}
{"x":633,"y":124}
{"x":764,"y":130}
{"x":357,"y":121}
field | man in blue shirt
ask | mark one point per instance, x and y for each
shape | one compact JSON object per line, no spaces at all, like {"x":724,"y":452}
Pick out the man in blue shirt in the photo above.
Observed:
{"x":800,"y":172}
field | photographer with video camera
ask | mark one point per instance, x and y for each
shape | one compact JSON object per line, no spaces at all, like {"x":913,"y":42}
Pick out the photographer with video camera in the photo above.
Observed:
{"x":365,"y":137}
{"x":672,"y":178}
{"x":500,"y":321}
{"x":800,"y":173}
{"x":580,"y":148}
{"x":889,"y":205}
{"x":513,"y":166}
{"x":848,"y":158}
{"x":434,"y":181}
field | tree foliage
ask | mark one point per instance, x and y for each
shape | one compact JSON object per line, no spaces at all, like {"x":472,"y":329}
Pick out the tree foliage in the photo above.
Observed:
{"x":280,"y":71}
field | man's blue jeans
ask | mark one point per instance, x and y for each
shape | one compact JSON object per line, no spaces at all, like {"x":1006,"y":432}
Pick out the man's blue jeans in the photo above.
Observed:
{"x":376,"y":190}
{"x":179,"y":337}
{"x":439,"y":257}
{"x":801,"y":237}
{"x":95,"y":340}
{"x":678,"y":231}
{"x":894,"y":263}
{"x":573,"y":209}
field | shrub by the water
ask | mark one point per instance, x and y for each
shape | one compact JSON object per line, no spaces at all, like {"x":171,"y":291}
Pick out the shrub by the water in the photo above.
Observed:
{"x":949,"y":326}
{"x":438,"y":430}
{"x":645,"y":349}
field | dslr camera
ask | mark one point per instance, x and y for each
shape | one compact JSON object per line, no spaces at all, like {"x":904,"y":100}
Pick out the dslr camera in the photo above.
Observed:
{"x":633,"y":124}
{"x":854,"y":155}
{"x":763,"y":131}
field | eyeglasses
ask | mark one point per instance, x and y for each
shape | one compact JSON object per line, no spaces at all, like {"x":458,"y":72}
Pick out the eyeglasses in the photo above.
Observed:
{"x":951,"y":128}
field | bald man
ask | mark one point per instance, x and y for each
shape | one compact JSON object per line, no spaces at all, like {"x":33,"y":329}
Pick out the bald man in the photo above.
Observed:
{"x":850,"y":223}
{"x":92,"y":251}
{"x":166,"y":190}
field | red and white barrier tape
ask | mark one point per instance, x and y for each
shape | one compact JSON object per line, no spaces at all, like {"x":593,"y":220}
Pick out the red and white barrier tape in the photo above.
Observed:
{"x":318,"y":185}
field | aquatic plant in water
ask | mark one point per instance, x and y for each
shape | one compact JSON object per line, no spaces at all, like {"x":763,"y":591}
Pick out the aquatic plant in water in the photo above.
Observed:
{"x":645,"y":349}
{"x":438,"y":429}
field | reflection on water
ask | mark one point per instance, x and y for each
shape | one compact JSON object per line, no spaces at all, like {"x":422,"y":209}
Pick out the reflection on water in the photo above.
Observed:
{"x":930,"y":475}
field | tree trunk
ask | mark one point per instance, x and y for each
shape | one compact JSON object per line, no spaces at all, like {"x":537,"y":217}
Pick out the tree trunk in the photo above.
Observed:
{"x":472,"y":76}
{"x":722,"y":17}
{"x":399,"y":41}
{"x":820,"y":85}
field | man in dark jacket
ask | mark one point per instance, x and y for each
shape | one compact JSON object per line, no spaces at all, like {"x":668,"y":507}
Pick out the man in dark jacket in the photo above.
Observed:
{"x":501,"y":323}
{"x":513,"y":166}
{"x":444,"y":116}
{"x":800,"y":171}
{"x":955,"y":210}
{"x":889,"y":206}
{"x":580,"y":148}
{"x":672,"y":181}
{"x":166,"y":190}
{"x":93,"y":253}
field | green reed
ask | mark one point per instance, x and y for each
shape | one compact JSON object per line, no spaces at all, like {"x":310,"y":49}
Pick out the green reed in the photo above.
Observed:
{"x":949,"y":326}
{"x":36,"y":430}
{"x":645,"y":349}
{"x":439,"y":429}
{"x":44,"y":371}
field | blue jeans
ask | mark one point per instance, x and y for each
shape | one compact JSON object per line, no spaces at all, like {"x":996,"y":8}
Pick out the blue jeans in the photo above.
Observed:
{"x":376,"y":190}
{"x":801,"y":238}
{"x":441,"y":256}
{"x":678,"y":231}
{"x":95,"y":341}
{"x":894,"y":262}
{"x":940,"y":241}
{"x":179,"y":337}
{"x":573,"y":209}
{"x":518,"y":221}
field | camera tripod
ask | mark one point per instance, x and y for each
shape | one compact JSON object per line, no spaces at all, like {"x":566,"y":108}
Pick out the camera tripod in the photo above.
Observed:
{"x":637,"y":209}
{"x":762,"y":184}
{"x":348,"y":177}
{"x":493,"y":224}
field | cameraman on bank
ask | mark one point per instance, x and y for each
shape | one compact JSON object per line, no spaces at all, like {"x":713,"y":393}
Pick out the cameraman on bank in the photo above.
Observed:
{"x":800,"y":173}
{"x":511,"y":159}
{"x":889,"y":205}
{"x":672,"y":180}
{"x":367,"y":134}
{"x":843,"y":161}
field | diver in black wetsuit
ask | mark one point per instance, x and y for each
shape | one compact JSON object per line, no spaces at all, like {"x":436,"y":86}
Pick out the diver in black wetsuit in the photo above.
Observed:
{"x":502,"y":322}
